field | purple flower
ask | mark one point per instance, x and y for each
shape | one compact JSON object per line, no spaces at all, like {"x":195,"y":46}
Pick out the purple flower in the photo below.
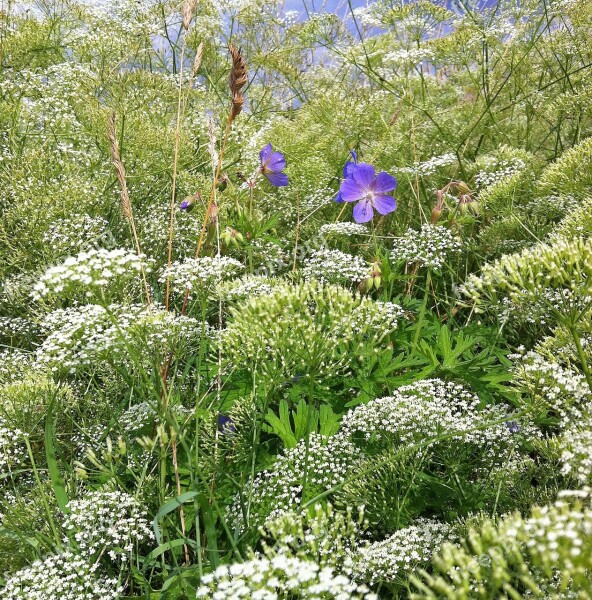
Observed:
{"x":513,"y":427}
{"x":225,"y":424}
{"x":370,"y":191}
{"x":348,"y":168}
{"x":188,"y":203}
{"x":272,"y":164}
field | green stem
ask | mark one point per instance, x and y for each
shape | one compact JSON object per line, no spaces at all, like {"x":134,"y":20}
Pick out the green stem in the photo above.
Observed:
{"x":581,"y":354}
{"x":424,"y":306}
{"x":311,"y":406}
{"x":42,"y":492}
{"x":373,"y":231}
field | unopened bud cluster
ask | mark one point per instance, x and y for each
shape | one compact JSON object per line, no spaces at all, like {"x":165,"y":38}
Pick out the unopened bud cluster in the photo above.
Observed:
{"x":527,"y":276}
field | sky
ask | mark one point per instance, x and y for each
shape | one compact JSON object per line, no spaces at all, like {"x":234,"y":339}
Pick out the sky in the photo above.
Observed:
{"x":340,"y":7}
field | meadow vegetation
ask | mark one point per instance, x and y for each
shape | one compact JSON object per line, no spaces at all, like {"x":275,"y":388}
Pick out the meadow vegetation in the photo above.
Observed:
{"x":295,"y":304}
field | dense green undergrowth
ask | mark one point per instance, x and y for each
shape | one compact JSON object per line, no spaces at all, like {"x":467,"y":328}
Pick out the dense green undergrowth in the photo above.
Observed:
{"x":295,"y":306}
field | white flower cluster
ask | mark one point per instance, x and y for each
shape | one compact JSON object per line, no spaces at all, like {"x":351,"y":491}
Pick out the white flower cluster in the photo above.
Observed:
{"x":48,"y":98}
{"x":503,"y":170}
{"x":248,"y":286}
{"x":271,"y":257}
{"x":377,"y":317}
{"x":429,"y":247}
{"x":279,"y":577}
{"x":128,"y":18}
{"x":316,"y":198}
{"x":412,"y":56}
{"x":98,"y":439}
{"x":200,"y":275}
{"x":526,"y":276}
{"x":67,"y":235}
{"x":331,"y":538}
{"x":344,"y":228}
{"x":554,"y":588}
{"x":549,"y":208}
{"x":136,"y":417}
{"x":280,"y":332}
{"x":94,"y":271}
{"x":334,"y":266}
{"x":16,"y":327}
{"x":562,"y":300}
{"x":542,"y":309}
{"x":326,"y":464}
{"x":11,"y":448}
{"x":66,"y":576}
{"x":368,"y":16}
{"x":81,"y":336}
{"x":576,"y":455}
{"x":562,"y":390}
{"x":107,"y":521}
{"x":549,"y":550}
{"x":559,"y":532}
{"x":391,"y":559}
{"x":426,"y":409}
{"x":428,"y":167}
{"x":153,"y":224}
{"x":560,"y":6}
{"x":13,"y":364}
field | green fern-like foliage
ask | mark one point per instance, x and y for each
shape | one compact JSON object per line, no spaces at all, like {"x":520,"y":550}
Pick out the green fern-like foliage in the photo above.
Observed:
{"x":571,"y":173}
{"x":503,"y":236}
{"x":303,"y":331}
{"x":391,"y":495}
{"x":578,"y":223}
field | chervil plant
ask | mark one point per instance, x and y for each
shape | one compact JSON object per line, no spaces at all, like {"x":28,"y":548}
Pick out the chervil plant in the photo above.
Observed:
{"x":295,"y":300}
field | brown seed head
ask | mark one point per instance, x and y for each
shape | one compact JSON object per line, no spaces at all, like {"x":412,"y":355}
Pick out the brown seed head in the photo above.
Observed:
{"x":197,"y":60}
{"x":126,"y":207}
{"x":187,"y":11}
{"x":237,"y":80}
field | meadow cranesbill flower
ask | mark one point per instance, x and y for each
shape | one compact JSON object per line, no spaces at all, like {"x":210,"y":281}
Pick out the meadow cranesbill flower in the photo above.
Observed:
{"x":272,"y":164}
{"x":370,"y":191}
{"x":348,"y":168}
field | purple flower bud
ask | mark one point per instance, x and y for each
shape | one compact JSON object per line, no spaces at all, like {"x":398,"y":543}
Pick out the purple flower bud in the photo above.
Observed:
{"x":188,"y":203}
{"x":347,"y":171}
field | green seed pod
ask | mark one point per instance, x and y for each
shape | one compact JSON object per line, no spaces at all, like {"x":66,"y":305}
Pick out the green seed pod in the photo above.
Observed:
{"x":436,"y":214}
{"x":223,"y":182}
{"x":232,"y":237}
{"x":374,"y":279}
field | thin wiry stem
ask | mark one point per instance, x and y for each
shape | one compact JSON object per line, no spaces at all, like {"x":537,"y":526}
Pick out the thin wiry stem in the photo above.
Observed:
{"x":219,"y":373}
{"x":181,"y":106}
{"x":126,"y":205}
{"x":175,"y":164}
{"x":237,"y":81}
